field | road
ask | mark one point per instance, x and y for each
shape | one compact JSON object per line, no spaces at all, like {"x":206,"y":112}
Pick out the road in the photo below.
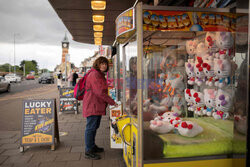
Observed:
{"x":11,"y":103}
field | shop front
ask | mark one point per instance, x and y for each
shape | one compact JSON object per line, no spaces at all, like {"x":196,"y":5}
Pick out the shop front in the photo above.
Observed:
{"x":182,"y":77}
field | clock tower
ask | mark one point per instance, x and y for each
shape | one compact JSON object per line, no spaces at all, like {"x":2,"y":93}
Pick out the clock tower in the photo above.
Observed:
{"x":65,"y":47}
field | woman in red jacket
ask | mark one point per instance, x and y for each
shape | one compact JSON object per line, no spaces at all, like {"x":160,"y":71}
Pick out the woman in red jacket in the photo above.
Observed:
{"x":95,"y":101}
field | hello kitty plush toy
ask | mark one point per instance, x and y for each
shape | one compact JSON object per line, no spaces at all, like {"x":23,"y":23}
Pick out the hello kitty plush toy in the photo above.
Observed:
{"x":210,"y":43}
{"x":222,"y":70}
{"x":208,"y":69}
{"x":191,"y":46}
{"x":189,"y":129}
{"x":224,"y":41}
{"x":198,"y":70}
{"x":223,"y":103}
{"x":209,"y":99}
{"x":189,"y":99}
{"x":189,"y":67}
{"x":160,"y":126}
{"x":201,"y":50}
{"x":199,"y":103}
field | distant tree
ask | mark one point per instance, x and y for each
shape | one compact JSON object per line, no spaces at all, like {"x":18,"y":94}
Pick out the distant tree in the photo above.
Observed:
{"x":5,"y":67}
{"x":29,"y":66}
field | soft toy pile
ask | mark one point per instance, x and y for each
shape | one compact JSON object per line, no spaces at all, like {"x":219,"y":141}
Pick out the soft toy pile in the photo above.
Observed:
{"x":210,"y":70}
{"x":169,"y":122}
{"x":210,"y":62}
{"x":215,"y":103}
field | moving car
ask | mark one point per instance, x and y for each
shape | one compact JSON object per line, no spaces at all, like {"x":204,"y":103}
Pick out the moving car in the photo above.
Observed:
{"x":30,"y":77}
{"x":4,"y":85}
{"x":12,"y":78}
{"x":46,"y":78}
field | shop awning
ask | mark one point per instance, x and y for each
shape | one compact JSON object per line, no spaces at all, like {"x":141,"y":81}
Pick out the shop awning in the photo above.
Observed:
{"x":77,"y":17}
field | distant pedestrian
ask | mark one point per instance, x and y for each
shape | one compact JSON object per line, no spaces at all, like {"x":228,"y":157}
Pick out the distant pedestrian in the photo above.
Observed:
{"x":59,"y":80}
{"x":70,"y":78}
{"x":95,"y":101}
{"x":74,"y":78}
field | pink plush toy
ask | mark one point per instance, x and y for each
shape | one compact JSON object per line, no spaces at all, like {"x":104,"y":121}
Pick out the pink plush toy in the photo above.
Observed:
{"x":209,"y":99}
{"x":189,"y":129}
{"x":198,"y":70}
{"x":208,"y":69}
{"x":223,"y":103}
{"x":191,"y":46}
{"x":189,"y":67}
{"x":224,"y":41}
{"x":210,"y":42}
{"x":222,"y":70}
{"x":199,"y":103}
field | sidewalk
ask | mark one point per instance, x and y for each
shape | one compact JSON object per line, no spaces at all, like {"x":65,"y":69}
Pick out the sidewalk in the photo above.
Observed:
{"x":70,"y":152}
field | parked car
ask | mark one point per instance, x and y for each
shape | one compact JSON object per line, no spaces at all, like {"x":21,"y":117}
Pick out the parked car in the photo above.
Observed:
{"x":46,"y":78}
{"x":30,"y":77}
{"x":12,"y":78}
{"x":4,"y":85}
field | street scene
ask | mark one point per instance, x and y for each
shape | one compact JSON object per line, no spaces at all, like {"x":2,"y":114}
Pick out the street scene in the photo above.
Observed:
{"x":135,"y":83}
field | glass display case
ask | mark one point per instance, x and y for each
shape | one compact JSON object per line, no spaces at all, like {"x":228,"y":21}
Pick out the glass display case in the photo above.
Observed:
{"x":186,"y":86}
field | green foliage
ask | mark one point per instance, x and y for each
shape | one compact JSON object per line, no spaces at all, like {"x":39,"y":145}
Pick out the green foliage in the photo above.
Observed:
{"x":5,"y":67}
{"x":29,"y":66}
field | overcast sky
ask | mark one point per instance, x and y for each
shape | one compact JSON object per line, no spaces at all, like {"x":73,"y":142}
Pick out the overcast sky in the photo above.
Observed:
{"x":39,"y":34}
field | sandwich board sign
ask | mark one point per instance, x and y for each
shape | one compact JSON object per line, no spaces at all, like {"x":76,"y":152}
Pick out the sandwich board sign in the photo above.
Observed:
{"x":39,"y":123}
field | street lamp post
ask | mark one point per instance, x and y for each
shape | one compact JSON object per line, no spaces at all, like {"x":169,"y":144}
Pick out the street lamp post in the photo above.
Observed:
{"x":15,"y":34}
{"x":14,"y":53}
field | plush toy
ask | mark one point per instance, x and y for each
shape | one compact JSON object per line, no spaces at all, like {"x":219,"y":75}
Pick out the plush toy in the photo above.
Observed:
{"x":224,"y":41}
{"x":167,"y":102}
{"x":209,"y":99}
{"x":223,"y":103}
{"x":191,"y":46}
{"x":168,"y":61}
{"x":175,"y":122}
{"x":199,"y":103}
{"x":208,"y":69}
{"x":177,"y":85}
{"x":222,"y":70}
{"x":201,"y":50}
{"x":160,"y":126}
{"x":198,"y":70}
{"x":189,"y":99}
{"x":189,"y":67}
{"x":178,"y":102}
{"x":155,"y":109}
{"x":189,"y":129}
{"x":210,"y":42}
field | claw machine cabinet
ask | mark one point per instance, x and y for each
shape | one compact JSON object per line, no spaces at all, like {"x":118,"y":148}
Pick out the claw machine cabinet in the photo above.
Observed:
{"x":186,"y":98}
{"x":128,"y":123}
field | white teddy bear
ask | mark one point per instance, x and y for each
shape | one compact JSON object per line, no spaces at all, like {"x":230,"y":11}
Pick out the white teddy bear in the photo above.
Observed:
{"x":208,"y":69}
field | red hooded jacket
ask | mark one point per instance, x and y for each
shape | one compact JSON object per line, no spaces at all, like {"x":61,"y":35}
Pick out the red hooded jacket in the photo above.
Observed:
{"x":96,"y":97}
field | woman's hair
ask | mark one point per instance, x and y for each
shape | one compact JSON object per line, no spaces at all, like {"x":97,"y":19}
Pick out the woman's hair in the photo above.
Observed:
{"x":100,"y":60}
